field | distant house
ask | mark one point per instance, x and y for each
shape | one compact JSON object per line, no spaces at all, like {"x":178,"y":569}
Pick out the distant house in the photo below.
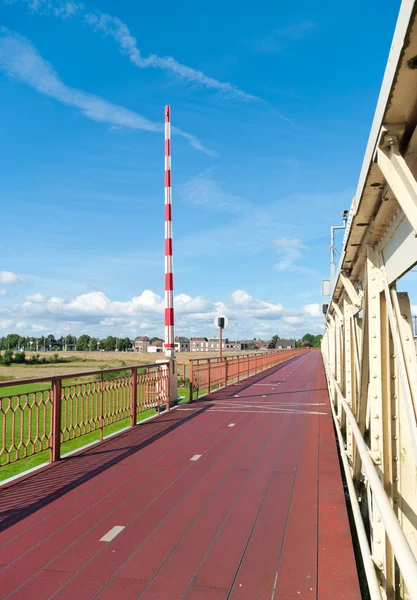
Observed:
{"x":156,"y":346}
{"x":141,"y":344}
{"x":285,"y":344}
{"x":198,"y":344}
{"x":254,"y":344}
{"x":182,"y":344}
{"x":230,"y":345}
{"x":202,"y":344}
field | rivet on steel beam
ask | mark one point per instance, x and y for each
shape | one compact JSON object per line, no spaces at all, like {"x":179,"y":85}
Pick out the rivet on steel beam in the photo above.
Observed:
{"x":376,"y":436}
{"x":373,"y":278}
{"x":378,"y":563}
{"x":407,"y":338}
{"x":392,"y":355}
{"x":374,"y":335}
{"x":395,"y":500}
{"x":374,"y":375}
{"x":375,"y":396}
{"x":394,"y":377}
{"x":396,"y":458}
{"x":373,"y":315}
{"x":394,"y":396}
{"x":378,"y":519}
{"x":394,"y":418}
{"x":395,"y":437}
{"x":373,"y":296}
{"x":374,"y":355}
{"x":396,"y":479}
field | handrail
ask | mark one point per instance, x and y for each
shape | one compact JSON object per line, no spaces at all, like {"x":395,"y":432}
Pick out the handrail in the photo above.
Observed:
{"x":249,"y":354}
{"x":13,"y":382}
{"x":402,"y":551}
{"x":368,"y":564}
{"x":207,"y":374}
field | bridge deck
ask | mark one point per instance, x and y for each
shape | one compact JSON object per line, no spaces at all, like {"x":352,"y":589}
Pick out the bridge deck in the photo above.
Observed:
{"x":258,"y":514}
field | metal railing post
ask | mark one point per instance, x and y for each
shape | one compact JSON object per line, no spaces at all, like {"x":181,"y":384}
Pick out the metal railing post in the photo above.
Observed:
{"x":209,"y":377}
{"x":191,"y":380}
{"x":168,"y":391}
{"x":101,"y":405}
{"x":133,"y":396}
{"x":56,"y":419}
{"x":225,"y":371}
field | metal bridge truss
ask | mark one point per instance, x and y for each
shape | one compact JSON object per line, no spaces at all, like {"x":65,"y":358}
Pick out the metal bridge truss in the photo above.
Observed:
{"x":368,"y":346}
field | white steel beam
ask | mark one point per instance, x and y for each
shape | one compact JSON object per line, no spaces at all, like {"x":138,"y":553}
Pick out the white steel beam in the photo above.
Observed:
{"x":399,"y":178}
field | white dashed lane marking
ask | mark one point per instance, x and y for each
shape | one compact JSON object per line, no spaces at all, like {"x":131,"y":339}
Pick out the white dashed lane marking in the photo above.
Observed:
{"x":110,"y":535}
{"x":231,"y":424}
{"x":195,"y":457}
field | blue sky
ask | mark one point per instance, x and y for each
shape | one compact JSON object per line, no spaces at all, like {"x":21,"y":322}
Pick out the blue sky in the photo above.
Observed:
{"x":272,"y":110}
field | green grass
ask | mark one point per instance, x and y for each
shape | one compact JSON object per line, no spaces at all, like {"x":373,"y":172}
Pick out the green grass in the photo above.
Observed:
{"x":38,"y":393}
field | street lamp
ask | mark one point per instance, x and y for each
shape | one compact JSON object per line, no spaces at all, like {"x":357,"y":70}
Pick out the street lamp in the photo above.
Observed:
{"x":333,"y":228}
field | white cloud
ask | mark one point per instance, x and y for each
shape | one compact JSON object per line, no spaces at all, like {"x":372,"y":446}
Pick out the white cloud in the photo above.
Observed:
{"x":5,"y":324}
{"x":293,"y":320}
{"x":95,"y":314}
{"x":3,"y":292}
{"x":9,"y":278}
{"x":252,"y":307}
{"x":312,"y":310}
{"x":286,"y":244}
{"x":68,"y":9}
{"x":35,"y":298}
{"x":20,"y":60}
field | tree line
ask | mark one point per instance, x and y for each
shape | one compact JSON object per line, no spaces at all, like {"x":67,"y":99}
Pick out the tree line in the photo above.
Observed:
{"x":86,"y":343}
{"x":70,"y":343}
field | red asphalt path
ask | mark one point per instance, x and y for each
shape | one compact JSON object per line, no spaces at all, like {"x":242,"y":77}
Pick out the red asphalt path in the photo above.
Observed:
{"x":260,"y":515}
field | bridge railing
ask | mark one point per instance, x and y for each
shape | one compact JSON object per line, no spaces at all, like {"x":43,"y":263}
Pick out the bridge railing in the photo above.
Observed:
{"x":209,"y":374}
{"x":368,"y":346}
{"x":44,"y":414}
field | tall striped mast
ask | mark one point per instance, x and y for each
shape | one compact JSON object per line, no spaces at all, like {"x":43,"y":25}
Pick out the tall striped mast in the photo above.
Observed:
{"x":169,"y":275}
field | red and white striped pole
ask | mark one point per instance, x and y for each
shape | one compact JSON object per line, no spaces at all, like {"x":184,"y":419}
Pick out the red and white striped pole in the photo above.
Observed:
{"x":169,"y":275}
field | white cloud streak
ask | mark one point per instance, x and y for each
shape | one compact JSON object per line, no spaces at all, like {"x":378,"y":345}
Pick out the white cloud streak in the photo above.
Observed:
{"x":114,"y":28}
{"x":291,"y":251}
{"x":21,"y":61}
{"x":203,"y":191}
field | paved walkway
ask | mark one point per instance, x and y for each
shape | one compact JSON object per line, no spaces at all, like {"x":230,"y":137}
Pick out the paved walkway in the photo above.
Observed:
{"x":238,"y":496}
